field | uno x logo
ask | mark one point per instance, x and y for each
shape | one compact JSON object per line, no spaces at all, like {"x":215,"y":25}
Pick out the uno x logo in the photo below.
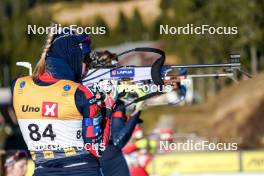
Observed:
{"x":49,"y":109}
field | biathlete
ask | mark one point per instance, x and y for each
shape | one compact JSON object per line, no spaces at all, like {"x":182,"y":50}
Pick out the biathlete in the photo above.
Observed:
{"x":59,"y":118}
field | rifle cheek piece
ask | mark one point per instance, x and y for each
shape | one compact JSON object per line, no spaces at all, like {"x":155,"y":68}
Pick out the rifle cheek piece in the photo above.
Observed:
{"x":156,"y":71}
{"x":156,"y":66}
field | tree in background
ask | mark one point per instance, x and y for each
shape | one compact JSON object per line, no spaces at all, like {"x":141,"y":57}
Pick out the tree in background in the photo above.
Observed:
{"x":122,"y":28}
{"x":137,"y":29}
{"x":15,"y":42}
{"x":101,"y":40}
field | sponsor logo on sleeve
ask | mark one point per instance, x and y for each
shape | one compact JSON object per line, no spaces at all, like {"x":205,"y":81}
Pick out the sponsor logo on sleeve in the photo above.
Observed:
{"x":92,"y":100}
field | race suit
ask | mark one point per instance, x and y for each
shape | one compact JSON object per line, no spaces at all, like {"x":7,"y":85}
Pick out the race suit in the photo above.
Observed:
{"x":60,"y":117}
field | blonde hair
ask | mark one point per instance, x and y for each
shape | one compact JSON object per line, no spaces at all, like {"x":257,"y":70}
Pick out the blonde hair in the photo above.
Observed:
{"x":41,"y":65}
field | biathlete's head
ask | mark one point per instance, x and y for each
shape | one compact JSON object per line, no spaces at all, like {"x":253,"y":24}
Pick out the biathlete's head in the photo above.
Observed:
{"x":65,"y":55}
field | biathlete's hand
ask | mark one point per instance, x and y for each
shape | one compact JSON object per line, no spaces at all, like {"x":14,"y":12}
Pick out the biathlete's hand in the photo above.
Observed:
{"x":109,"y":101}
{"x":111,"y":96}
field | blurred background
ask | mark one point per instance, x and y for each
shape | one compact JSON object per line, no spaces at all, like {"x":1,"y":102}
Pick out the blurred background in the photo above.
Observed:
{"x":219,"y":110}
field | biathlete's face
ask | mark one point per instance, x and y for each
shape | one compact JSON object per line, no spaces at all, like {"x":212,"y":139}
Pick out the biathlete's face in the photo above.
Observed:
{"x":86,"y":64}
{"x":85,"y":69}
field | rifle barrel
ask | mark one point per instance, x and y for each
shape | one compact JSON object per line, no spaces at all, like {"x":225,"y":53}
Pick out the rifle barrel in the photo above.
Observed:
{"x":210,"y":75}
{"x":205,"y":65}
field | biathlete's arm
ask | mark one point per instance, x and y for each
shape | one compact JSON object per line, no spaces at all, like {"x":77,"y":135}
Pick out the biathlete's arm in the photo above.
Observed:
{"x":92,"y":131}
{"x":106,"y":127}
{"x":121,"y":130}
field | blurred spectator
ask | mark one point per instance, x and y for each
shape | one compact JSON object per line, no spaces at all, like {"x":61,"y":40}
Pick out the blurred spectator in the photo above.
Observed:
{"x":139,"y":152}
{"x":163,"y":135}
{"x":15,"y":163}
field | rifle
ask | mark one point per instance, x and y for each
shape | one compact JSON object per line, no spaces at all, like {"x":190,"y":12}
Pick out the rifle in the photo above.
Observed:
{"x":158,"y":73}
